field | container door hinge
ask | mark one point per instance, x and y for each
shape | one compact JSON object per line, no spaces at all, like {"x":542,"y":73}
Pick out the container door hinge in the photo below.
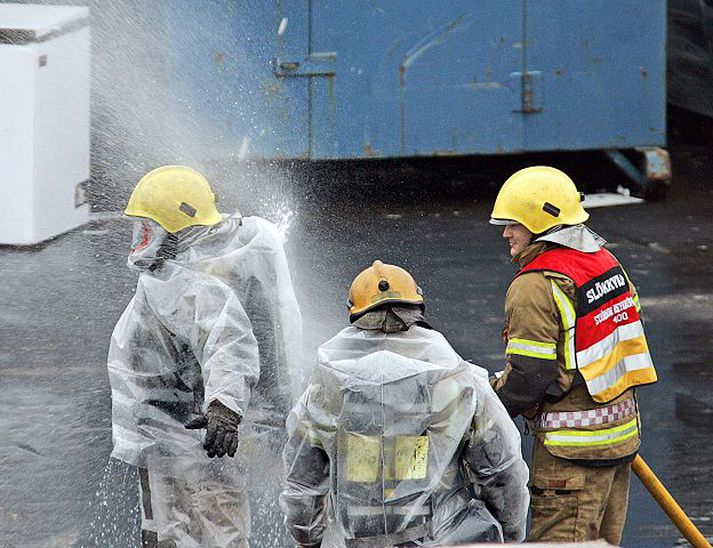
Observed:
{"x":530,"y":83}
{"x":314,"y":64}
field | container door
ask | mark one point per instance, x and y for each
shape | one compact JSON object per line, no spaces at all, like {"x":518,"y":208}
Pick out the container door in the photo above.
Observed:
{"x":598,"y":73}
{"x":416,"y":78}
{"x":224,"y":93}
{"x":306,"y":74}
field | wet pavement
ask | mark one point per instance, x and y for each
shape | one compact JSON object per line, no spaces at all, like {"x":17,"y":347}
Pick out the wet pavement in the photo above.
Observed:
{"x":61,"y":301}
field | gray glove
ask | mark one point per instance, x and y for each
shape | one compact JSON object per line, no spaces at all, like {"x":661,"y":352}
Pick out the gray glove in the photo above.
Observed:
{"x":221,"y":426}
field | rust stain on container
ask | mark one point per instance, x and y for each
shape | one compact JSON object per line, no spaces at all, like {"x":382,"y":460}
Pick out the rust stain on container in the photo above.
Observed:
{"x":658,"y":163}
{"x":370,"y":152}
{"x":219,"y":58}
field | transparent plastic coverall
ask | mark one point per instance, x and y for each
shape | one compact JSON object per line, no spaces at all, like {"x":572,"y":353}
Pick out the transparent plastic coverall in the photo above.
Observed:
{"x":218,"y":321}
{"x":398,"y":441}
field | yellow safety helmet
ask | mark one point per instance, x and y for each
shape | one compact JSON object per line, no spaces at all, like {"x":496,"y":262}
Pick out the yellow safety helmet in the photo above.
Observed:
{"x":539,"y":198}
{"x":379,"y":284}
{"x":175,"y":197}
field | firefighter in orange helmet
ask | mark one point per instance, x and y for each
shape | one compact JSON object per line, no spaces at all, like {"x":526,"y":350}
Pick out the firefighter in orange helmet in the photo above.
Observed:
{"x":575,"y":352}
{"x":397,"y":441}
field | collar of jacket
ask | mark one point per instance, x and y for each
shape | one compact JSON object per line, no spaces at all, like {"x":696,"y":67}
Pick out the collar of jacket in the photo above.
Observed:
{"x":579,"y":237}
{"x":198,"y":235}
{"x":390,"y":319}
{"x":528,"y":254}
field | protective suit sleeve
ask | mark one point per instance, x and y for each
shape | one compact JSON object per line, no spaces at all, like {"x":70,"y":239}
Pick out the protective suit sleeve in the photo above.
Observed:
{"x":304,"y":497}
{"x":533,"y":328}
{"x":495,"y":465}
{"x":206,"y":314}
{"x":284,"y":325}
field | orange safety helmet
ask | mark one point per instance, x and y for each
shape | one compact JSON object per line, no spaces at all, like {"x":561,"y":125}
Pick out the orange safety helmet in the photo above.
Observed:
{"x":380,"y":284}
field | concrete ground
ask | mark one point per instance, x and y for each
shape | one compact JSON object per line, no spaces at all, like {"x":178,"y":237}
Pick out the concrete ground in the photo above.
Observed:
{"x":61,"y":301}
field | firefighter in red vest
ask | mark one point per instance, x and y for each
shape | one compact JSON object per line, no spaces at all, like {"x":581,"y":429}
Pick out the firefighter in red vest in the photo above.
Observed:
{"x":575,"y":351}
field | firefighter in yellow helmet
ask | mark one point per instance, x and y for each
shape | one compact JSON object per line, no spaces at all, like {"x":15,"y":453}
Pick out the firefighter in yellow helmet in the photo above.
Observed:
{"x":211,"y":336}
{"x":397,"y":441}
{"x":575,"y":352}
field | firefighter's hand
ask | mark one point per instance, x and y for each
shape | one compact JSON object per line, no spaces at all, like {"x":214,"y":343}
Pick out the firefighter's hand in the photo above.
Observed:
{"x":495,"y":377}
{"x":221,"y":426}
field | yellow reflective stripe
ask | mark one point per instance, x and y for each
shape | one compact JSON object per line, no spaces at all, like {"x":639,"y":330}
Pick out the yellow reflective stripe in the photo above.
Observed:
{"x":529,"y":342}
{"x":569,"y":319}
{"x":644,"y":375}
{"x":532,"y":349}
{"x":590,"y":438}
{"x":405,"y":458}
{"x":363,"y":458}
{"x":605,"y":346}
{"x":622,"y":350}
{"x":631,"y":371}
{"x":637,"y":305}
{"x":411,"y":458}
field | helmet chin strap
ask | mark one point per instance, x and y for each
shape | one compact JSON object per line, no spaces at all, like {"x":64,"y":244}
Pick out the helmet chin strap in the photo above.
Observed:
{"x":552,"y":230}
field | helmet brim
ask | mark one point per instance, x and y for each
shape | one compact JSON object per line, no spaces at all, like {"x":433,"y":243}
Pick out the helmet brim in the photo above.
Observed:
{"x":502,"y":222}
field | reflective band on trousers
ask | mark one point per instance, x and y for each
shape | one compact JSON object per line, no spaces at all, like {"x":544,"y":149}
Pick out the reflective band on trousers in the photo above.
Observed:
{"x":532,"y":349}
{"x":591,"y":438}
{"x":590,"y":417}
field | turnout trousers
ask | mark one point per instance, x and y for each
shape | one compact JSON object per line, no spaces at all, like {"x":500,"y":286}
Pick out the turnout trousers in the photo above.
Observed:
{"x":573,"y":503}
{"x":176,"y":513}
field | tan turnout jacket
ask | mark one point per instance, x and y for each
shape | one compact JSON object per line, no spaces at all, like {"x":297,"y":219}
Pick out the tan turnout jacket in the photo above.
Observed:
{"x":542,"y":389}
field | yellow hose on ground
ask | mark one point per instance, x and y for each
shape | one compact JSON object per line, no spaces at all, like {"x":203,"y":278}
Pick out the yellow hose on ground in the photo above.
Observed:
{"x":668,"y":504}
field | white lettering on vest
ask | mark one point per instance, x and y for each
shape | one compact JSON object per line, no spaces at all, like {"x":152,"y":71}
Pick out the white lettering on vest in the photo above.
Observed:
{"x":607,"y":286}
{"x":618,"y":309}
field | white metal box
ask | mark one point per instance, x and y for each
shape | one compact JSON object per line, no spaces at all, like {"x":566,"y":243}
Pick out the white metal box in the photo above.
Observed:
{"x":44,"y":120}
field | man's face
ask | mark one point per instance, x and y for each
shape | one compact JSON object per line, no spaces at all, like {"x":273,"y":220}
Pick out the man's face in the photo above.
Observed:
{"x":146,"y":241}
{"x":518,"y":237}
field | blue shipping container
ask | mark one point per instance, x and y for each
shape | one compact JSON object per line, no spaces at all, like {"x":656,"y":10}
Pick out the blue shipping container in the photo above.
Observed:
{"x":323,"y":79}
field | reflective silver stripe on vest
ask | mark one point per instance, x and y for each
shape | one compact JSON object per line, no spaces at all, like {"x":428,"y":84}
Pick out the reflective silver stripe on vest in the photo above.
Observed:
{"x":605,"y":346}
{"x":610,"y":378}
{"x":590,"y":417}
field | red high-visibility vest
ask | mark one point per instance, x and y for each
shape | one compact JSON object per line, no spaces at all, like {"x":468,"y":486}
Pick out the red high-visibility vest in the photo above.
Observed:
{"x":610,"y":348}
